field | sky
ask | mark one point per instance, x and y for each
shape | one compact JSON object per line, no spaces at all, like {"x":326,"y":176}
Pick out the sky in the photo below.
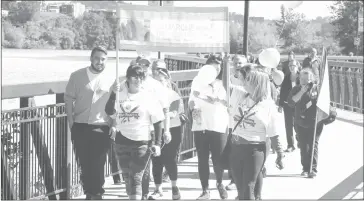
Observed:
{"x":266,"y":9}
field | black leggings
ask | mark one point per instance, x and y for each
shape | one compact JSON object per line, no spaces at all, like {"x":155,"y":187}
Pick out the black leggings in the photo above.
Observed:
{"x":206,"y":142}
{"x":168,"y":157}
{"x":259,"y":184}
{"x":246,"y":162}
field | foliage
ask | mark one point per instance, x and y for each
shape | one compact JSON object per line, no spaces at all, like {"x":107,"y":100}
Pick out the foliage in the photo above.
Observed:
{"x":345,"y":20}
{"x":291,"y":32}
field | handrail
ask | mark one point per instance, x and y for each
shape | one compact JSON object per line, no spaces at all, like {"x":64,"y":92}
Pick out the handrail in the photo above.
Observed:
{"x":58,"y":87}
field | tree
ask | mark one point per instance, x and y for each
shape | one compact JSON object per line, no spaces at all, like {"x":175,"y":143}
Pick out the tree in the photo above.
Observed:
{"x":291,"y":28}
{"x":23,"y":11}
{"x":345,"y":20}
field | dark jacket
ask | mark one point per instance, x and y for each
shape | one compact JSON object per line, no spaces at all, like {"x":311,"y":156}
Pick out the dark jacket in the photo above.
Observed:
{"x":286,"y":88}
{"x":305,"y":108}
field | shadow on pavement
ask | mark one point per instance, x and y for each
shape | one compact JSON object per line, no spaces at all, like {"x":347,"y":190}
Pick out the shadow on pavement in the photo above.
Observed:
{"x":286,"y":175}
{"x":345,"y":187}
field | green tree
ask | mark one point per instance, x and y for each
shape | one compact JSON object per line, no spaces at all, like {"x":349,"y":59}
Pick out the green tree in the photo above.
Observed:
{"x":345,"y":20}
{"x":22,"y":12}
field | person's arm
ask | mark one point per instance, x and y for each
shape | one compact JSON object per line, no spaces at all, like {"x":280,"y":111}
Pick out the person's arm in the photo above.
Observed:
{"x":291,"y":103}
{"x":110,"y":105}
{"x":157,"y":133}
{"x":69,"y":99}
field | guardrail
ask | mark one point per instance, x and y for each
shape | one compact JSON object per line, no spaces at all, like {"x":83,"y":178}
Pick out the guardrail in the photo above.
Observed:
{"x":37,"y":157}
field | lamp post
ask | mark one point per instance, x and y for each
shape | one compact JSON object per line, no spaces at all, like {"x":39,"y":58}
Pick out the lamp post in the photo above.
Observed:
{"x":246,"y":24}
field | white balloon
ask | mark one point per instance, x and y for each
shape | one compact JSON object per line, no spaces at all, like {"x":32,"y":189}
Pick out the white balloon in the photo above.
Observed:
{"x":269,"y":58}
{"x":277,"y":76}
{"x":206,"y":75}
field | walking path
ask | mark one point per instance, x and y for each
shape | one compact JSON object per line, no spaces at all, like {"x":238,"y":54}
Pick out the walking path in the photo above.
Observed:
{"x":340,"y":169}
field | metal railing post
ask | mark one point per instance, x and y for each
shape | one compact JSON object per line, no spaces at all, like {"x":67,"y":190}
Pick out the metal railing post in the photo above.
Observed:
{"x":24,"y":169}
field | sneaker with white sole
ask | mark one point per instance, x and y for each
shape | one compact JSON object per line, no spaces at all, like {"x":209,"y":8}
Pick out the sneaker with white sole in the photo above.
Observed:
{"x":175,"y":193}
{"x":155,"y":195}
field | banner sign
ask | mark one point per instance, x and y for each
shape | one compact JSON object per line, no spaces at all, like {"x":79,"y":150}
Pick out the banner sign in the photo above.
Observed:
{"x":174,"y":29}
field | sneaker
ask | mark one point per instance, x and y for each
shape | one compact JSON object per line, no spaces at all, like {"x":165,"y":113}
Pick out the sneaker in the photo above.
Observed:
{"x":304,"y":174}
{"x":222,"y":191}
{"x":165,"y":178}
{"x":312,"y":175}
{"x":145,"y":197}
{"x":96,"y":197}
{"x":155,"y":195}
{"x":231,"y":186}
{"x":290,"y":149}
{"x":175,"y":193}
{"x":205,"y":195}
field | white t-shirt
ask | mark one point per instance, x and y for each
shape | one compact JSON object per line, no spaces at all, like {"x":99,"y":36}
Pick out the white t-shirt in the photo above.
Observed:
{"x":135,"y":114}
{"x":212,"y":116}
{"x":259,"y":123}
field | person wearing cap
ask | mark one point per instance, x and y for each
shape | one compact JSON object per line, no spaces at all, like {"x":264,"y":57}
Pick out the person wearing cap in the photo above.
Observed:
{"x":85,"y":97}
{"x":208,"y":105}
{"x":291,"y":69}
{"x":133,"y":114}
{"x":254,"y":116}
{"x":156,"y":88}
{"x":168,"y":158}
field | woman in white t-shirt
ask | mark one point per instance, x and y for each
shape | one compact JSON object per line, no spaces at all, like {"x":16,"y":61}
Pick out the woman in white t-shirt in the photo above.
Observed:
{"x":169,"y":152}
{"x":210,"y":122}
{"x":134,"y":113}
{"x":254,"y":112}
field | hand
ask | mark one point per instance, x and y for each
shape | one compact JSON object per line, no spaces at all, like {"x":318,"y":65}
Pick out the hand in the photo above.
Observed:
{"x":70,"y":123}
{"x":304,"y":88}
{"x":112,"y":133}
{"x":192,"y":105}
{"x":230,"y":110}
{"x":211,"y":99}
{"x":116,"y":87}
{"x":167,"y":137}
{"x":279,"y":161}
{"x":172,"y":114}
{"x":280,"y":109}
{"x":196,"y":93}
{"x":156,"y":150}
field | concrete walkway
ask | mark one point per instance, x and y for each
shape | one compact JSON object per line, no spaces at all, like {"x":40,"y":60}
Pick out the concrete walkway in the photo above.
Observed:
{"x":340,"y":169}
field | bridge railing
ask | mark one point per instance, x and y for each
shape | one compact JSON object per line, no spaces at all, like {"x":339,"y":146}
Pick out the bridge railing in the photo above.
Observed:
{"x":37,"y":154}
{"x":346,"y":78}
{"x":37,"y":157}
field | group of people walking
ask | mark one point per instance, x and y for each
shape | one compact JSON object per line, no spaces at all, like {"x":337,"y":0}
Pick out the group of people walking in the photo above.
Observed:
{"x":143,"y":117}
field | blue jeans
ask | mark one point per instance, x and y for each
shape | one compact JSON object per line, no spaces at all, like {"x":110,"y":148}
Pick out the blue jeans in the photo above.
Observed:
{"x":132,"y":161}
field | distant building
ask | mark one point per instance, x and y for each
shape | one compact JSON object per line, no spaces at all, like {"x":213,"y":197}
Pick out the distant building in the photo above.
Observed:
{"x":53,"y":8}
{"x":257,"y":19}
{"x":106,"y":13}
{"x":74,"y":9}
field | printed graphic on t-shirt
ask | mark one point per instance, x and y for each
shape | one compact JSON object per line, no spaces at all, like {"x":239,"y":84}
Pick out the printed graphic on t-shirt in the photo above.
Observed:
{"x":243,"y":112}
{"x":128,"y":112}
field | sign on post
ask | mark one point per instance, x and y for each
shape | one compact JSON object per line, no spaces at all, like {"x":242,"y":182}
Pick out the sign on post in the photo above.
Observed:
{"x":174,"y":29}
{"x":357,"y":41}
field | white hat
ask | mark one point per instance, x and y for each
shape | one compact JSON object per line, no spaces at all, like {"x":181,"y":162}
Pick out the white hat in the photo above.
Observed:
{"x":269,"y":58}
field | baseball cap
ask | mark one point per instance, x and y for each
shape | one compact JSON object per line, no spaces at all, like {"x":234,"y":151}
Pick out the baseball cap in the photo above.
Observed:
{"x":159,"y":64}
{"x":143,"y":61}
{"x":213,"y":59}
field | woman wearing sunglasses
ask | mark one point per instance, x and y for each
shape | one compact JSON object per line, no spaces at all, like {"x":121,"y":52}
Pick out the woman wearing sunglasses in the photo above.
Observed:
{"x":169,"y":153}
{"x":133,"y":115}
